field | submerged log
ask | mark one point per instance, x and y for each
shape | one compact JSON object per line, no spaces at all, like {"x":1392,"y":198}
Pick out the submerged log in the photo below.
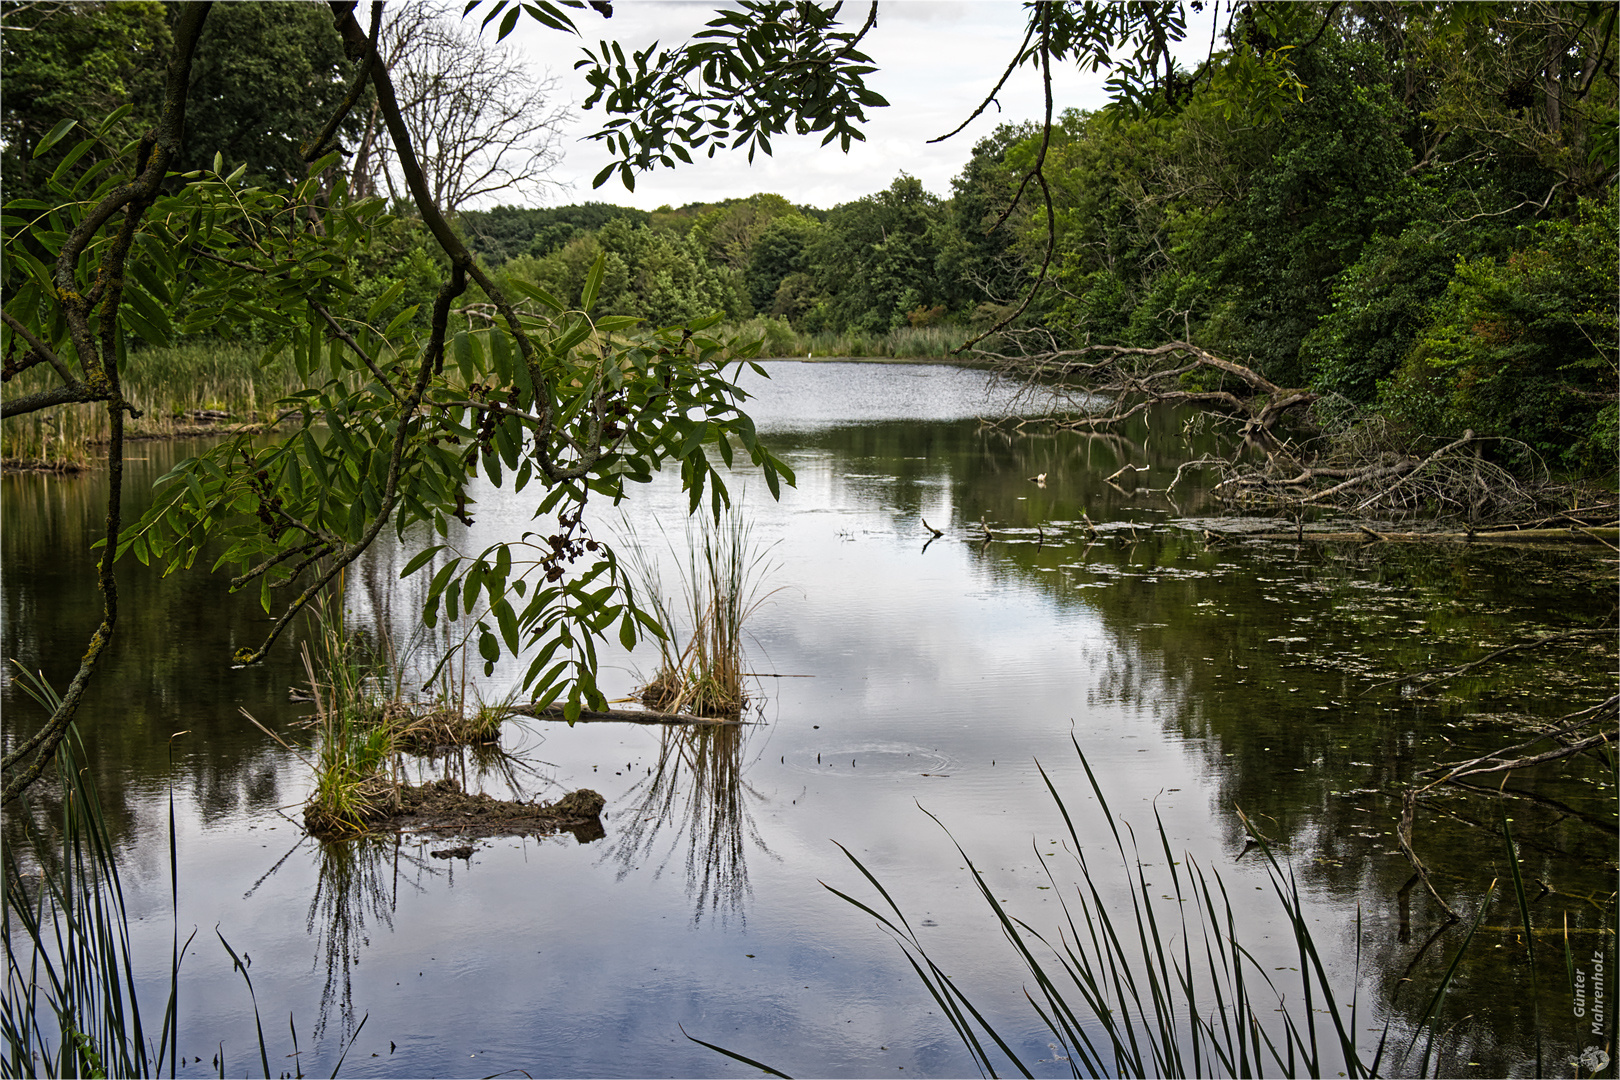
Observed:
{"x":633,"y":716}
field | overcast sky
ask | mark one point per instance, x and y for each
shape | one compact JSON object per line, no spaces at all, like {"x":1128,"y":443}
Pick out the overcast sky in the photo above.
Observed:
{"x":937,"y":59}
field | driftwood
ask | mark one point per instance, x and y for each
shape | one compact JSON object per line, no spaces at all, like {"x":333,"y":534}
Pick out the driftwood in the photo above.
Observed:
{"x":632,"y":716}
{"x":1359,"y":464}
{"x":1452,"y":673}
{"x":1500,"y":762}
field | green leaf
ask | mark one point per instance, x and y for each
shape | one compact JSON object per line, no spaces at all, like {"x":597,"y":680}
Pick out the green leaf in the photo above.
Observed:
{"x":383,"y":302}
{"x":113,"y":118}
{"x":441,"y":580}
{"x":420,"y":559}
{"x":593,"y":282}
{"x":535,"y":292}
{"x":488,"y":647}
{"x":500,"y":349}
{"x":54,"y":136}
{"x":508,"y":624}
{"x":401,"y":319}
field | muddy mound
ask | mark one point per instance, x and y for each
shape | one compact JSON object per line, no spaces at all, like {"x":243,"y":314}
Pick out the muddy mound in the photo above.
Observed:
{"x":440,"y":806}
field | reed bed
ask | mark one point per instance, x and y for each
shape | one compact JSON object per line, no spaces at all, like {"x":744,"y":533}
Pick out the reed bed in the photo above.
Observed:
{"x":71,"y":1006}
{"x":1170,"y":990}
{"x":365,"y":719}
{"x":782,"y":341}
{"x":189,"y":386}
{"x":1146,"y":992}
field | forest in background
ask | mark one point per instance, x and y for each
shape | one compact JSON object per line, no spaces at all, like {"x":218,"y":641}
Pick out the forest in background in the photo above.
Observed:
{"x":1417,"y":223}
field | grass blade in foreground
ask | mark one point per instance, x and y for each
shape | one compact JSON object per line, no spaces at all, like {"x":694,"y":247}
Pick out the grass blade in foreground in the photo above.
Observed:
{"x":71,"y":1007}
{"x":1122,"y":997}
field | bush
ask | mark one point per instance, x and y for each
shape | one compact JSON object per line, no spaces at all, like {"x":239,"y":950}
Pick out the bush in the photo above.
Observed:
{"x":1524,"y":348}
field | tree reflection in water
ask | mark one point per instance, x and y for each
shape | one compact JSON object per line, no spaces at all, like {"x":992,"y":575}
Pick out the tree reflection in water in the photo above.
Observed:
{"x":696,"y":793}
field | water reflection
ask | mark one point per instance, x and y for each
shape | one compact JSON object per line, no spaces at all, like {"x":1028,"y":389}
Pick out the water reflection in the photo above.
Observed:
{"x":1237,"y":675}
{"x":357,"y":886}
{"x":695,"y":804}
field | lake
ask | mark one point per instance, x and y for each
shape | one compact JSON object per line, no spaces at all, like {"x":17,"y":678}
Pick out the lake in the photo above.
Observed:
{"x":904,"y":677}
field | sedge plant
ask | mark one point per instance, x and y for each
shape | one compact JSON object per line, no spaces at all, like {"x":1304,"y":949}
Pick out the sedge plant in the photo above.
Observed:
{"x":721,"y":585}
{"x":72,"y":1004}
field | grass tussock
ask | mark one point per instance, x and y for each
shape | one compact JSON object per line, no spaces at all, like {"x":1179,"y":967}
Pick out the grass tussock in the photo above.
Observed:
{"x":720,"y":583}
{"x":365,"y":720}
{"x":71,"y":1006}
{"x":1171,"y":991}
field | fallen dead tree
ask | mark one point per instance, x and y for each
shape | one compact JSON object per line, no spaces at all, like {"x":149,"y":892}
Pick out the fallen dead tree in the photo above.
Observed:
{"x":1285,"y":455}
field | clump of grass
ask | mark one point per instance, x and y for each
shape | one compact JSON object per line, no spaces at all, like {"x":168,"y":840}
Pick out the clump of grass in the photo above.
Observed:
{"x":783,"y":341}
{"x":354,"y":759}
{"x":364,"y":721}
{"x":71,"y":1005}
{"x":704,"y":676}
{"x":354,"y":785}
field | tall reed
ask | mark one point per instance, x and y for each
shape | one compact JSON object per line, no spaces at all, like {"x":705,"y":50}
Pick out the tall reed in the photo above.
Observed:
{"x":720,"y":583}
{"x":783,"y":341}
{"x":1145,"y":993}
{"x":355,"y":743}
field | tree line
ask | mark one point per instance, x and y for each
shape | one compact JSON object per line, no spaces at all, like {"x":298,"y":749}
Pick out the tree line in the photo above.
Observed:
{"x":1423,"y":230}
{"x":1417,"y":221}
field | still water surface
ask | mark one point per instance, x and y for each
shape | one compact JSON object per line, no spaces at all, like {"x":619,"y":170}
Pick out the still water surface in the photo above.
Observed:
{"x":1196,"y":679}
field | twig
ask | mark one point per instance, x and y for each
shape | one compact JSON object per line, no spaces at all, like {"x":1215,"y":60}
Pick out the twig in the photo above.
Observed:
{"x":1453,"y":673}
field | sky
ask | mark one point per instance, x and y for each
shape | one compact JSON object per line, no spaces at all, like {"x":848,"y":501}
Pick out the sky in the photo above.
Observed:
{"x":937,"y":60}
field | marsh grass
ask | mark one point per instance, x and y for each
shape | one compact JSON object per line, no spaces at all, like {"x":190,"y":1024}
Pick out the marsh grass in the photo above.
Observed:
{"x":457,"y":715}
{"x":355,"y":748}
{"x":782,"y":341}
{"x":366,"y":719}
{"x":720,"y":584}
{"x":71,"y":1005}
{"x":170,"y":386}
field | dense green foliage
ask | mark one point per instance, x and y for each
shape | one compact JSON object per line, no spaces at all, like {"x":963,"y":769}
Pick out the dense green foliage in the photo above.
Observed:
{"x":66,"y":65}
{"x":1329,"y":236}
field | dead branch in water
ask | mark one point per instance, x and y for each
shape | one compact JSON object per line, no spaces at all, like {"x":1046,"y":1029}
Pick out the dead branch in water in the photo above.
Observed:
{"x":1563,"y":734}
{"x":1362,"y":465}
{"x":1608,"y":711}
{"x":1452,"y":673}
